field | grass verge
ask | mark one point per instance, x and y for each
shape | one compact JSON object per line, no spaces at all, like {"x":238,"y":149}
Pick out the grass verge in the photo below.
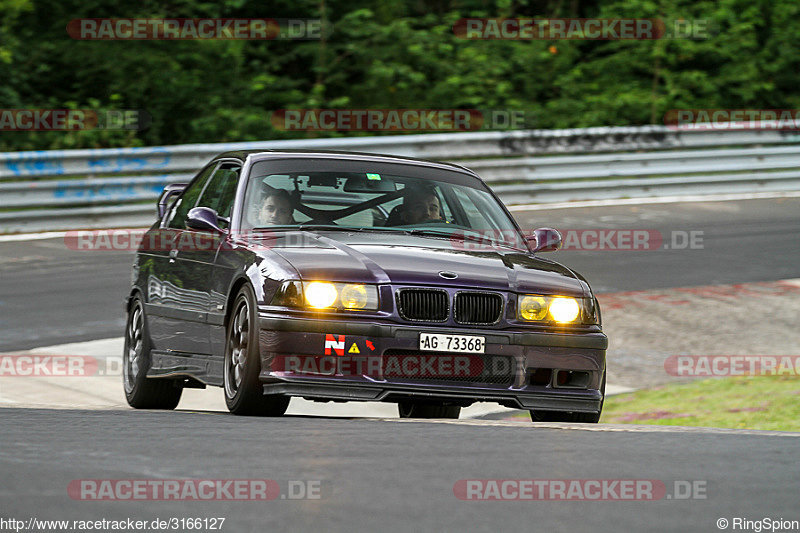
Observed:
{"x":752,"y":402}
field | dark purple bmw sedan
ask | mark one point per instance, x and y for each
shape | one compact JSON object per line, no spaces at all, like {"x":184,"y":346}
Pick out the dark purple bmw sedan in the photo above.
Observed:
{"x":356,"y":277}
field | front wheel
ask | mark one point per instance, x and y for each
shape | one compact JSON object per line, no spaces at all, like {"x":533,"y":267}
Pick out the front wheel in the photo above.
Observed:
{"x":569,"y":416}
{"x":142,"y":392}
{"x":409,"y":409}
{"x":243,"y":390}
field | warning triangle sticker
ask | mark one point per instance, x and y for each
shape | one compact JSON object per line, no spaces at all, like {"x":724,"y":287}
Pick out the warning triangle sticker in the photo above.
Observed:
{"x":353,"y":349}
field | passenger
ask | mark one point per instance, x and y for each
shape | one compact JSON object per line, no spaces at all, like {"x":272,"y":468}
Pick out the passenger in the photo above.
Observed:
{"x":420,"y":205}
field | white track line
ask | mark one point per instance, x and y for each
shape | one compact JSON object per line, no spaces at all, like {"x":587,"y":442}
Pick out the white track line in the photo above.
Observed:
{"x":33,"y":236}
{"x":16,"y":237}
{"x":604,"y":428}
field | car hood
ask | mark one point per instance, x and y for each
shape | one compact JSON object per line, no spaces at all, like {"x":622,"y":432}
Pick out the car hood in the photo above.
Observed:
{"x":418,"y":260}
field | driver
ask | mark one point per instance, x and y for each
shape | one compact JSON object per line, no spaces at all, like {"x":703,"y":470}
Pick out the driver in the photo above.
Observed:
{"x":420,"y":205}
{"x":276,"y":209}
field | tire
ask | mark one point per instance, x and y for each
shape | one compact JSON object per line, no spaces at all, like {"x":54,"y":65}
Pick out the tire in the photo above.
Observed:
{"x":243,"y":390}
{"x":409,"y":409}
{"x":142,"y":392}
{"x":568,"y":416}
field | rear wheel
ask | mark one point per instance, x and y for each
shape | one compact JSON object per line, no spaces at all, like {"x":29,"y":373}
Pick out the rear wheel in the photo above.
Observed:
{"x":570,"y":416}
{"x":409,"y":409}
{"x":142,"y":392}
{"x":243,"y":390}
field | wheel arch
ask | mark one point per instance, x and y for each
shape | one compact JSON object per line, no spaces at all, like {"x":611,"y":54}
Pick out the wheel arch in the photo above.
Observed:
{"x":237,"y":285}
{"x":136,"y":291}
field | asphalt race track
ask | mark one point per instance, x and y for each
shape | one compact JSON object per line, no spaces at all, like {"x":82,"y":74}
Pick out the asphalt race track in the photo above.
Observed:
{"x":379,"y":474}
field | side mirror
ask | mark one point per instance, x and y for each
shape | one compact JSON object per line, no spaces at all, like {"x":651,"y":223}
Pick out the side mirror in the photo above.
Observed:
{"x":544,"y":240}
{"x":203,"y":218}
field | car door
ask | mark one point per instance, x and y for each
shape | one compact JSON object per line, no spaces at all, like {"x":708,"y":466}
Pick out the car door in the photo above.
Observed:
{"x":176,"y":311}
{"x":197,"y":252}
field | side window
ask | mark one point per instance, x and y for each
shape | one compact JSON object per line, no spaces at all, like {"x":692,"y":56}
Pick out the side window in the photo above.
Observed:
{"x":177,"y":215}
{"x":475,"y":219}
{"x":221,"y":189}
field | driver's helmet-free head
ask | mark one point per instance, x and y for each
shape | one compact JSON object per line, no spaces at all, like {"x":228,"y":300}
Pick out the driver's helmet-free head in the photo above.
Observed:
{"x":276,"y":208}
{"x":421,"y":204}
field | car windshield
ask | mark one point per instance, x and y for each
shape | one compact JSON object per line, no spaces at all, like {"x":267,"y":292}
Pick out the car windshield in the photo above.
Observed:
{"x":448,"y":207}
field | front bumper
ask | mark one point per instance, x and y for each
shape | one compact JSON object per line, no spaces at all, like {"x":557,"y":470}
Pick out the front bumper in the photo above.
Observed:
{"x":536,"y":360}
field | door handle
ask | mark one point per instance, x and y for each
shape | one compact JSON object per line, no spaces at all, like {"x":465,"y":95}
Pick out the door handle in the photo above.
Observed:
{"x":173,"y":254}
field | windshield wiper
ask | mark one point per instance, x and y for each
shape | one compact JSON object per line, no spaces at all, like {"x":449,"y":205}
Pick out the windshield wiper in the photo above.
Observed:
{"x":383,"y":229}
{"x":296,"y":227}
{"x":459,"y":236}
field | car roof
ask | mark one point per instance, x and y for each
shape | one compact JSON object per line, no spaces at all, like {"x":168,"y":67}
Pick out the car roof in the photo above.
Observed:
{"x":262,"y":155}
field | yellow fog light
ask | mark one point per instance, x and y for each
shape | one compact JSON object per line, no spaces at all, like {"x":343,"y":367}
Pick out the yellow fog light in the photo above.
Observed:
{"x":320,"y":294}
{"x":354,"y":296}
{"x":532,"y":307}
{"x":564,"y":310}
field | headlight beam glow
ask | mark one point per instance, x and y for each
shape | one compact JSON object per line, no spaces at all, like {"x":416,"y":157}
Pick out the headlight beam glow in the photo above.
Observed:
{"x":564,"y":310}
{"x":320,"y":294}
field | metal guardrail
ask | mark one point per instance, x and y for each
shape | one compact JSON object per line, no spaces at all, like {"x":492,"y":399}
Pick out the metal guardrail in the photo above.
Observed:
{"x":67,"y":189}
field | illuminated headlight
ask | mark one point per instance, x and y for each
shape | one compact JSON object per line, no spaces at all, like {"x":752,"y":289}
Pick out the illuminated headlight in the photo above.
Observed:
{"x":325,"y":295}
{"x":559,"y":309}
{"x":320,"y":294}
{"x":564,"y":310}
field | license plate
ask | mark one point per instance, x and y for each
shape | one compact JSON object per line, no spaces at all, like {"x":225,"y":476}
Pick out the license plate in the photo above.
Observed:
{"x":442,"y":342}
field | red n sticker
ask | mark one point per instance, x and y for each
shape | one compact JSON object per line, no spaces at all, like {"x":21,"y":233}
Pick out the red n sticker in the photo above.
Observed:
{"x":337,"y":345}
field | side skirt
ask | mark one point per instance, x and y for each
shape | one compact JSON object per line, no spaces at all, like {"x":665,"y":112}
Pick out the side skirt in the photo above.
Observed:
{"x":204,"y":369}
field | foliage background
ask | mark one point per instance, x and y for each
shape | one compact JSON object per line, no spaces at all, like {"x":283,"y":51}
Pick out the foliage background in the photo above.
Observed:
{"x":389,"y":54}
